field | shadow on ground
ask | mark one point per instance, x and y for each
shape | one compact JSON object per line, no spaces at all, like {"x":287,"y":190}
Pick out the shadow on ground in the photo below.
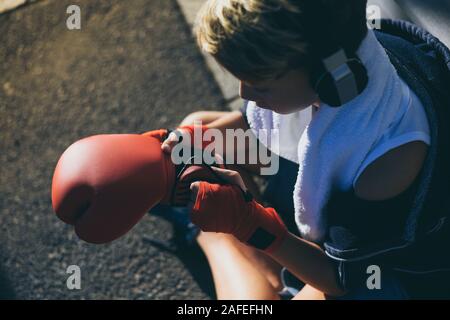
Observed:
{"x":134,"y":66}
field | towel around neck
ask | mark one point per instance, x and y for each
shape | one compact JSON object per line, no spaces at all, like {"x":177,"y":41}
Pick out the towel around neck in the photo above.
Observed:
{"x":332,"y":145}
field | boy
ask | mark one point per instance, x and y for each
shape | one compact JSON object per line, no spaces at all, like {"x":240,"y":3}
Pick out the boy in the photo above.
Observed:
{"x":273,"y":47}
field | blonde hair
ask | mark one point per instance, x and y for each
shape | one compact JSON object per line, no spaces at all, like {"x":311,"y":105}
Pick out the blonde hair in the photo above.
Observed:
{"x":261,"y":39}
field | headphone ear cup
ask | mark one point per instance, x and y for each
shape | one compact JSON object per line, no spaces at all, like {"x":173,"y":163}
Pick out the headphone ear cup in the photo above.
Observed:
{"x":360,"y":73}
{"x":326,"y":87}
{"x":327,"y":91}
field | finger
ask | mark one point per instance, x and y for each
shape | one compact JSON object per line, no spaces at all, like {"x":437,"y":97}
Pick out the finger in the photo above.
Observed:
{"x":194,"y":190}
{"x":168,"y":144}
{"x":224,"y":172}
{"x":219,"y":160}
{"x":230,"y":176}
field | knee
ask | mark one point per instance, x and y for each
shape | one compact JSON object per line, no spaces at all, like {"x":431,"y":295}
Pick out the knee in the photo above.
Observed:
{"x":215,"y":240}
{"x":202,"y":116}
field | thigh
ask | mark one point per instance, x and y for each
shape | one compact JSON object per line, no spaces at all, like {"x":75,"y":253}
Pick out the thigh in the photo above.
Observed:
{"x":309,"y":293}
{"x":204,"y":116}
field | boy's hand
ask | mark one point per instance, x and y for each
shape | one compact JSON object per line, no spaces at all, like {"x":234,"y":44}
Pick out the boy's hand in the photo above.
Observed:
{"x":229,"y":176}
{"x":176,"y":136}
{"x":172,"y":140}
{"x":230,"y":209}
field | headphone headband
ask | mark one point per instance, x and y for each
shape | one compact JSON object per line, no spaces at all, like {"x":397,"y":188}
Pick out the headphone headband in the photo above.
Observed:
{"x":338,"y":76}
{"x":343,"y":77}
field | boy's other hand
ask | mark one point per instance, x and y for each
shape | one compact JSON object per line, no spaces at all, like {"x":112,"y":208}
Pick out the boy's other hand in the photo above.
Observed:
{"x":229,"y":176}
{"x":172,"y":140}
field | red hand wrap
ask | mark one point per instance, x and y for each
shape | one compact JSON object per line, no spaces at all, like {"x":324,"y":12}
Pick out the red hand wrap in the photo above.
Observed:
{"x":195,"y":139}
{"x":160,"y":134}
{"x":222,"y":208}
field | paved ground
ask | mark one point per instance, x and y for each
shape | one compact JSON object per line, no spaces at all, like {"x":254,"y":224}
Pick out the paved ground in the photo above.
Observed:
{"x":132,"y":67}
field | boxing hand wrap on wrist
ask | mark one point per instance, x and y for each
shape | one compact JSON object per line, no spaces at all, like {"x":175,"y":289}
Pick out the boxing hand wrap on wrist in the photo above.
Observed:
{"x":160,"y":134}
{"x":223,"y":208}
{"x":196,"y":134}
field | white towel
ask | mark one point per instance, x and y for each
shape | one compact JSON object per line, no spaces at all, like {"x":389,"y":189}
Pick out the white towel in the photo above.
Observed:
{"x":332,"y":145}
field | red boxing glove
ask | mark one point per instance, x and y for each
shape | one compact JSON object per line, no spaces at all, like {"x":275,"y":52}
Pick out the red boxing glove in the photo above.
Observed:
{"x":104,"y":184}
{"x":196,"y":133}
{"x":160,"y":134}
{"x":223,"y":208}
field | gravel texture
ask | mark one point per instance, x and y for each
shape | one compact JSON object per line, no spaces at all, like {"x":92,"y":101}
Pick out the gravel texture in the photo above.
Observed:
{"x":132,"y":67}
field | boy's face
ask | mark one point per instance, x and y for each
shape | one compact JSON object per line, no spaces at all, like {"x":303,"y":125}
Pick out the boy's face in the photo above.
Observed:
{"x":290,"y":93}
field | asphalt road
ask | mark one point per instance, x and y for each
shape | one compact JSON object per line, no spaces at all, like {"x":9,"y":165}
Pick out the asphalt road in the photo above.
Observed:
{"x":132,"y":67}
